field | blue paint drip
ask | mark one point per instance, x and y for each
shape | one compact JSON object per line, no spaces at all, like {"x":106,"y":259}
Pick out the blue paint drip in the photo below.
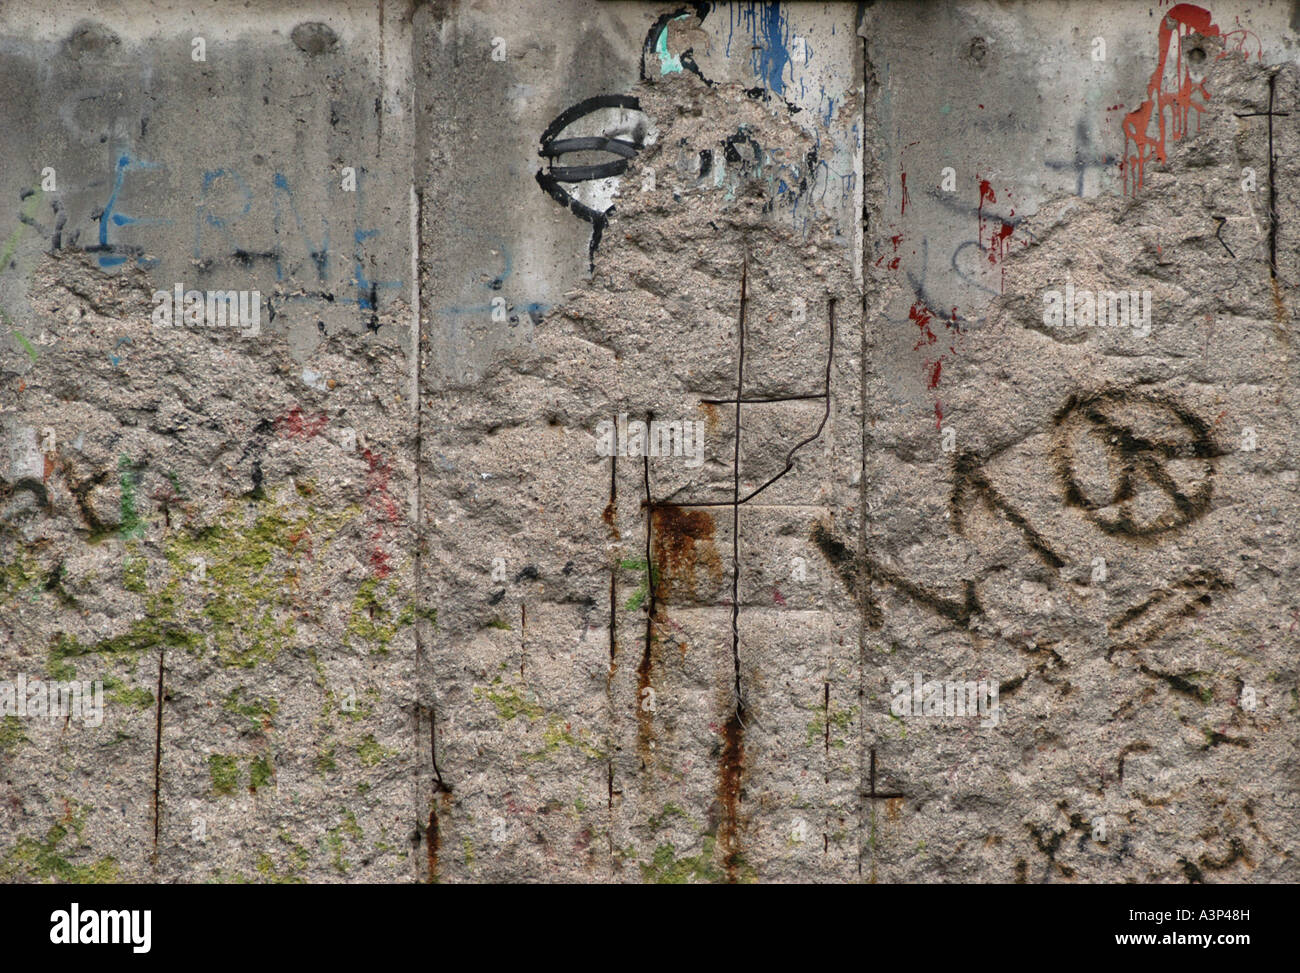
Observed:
{"x":770,"y":36}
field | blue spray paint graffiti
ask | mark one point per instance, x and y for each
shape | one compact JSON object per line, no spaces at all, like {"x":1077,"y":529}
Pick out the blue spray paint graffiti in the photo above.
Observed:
{"x":116,"y":254}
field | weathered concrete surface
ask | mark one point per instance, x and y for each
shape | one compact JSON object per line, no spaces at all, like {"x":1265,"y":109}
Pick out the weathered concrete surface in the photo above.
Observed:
{"x":1099,"y":520}
{"x":369,"y":600}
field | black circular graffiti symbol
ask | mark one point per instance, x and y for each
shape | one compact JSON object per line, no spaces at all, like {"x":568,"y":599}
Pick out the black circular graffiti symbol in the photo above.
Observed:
{"x":1138,"y":464}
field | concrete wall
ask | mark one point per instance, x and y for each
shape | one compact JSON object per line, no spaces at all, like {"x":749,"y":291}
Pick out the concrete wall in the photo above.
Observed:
{"x":370,"y":600}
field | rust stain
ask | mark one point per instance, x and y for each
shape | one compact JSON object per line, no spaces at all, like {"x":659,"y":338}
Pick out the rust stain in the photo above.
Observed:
{"x":1279,"y":312}
{"x":608,"y":517}
{"x":683,"y":540}
{"x":730,"y":771}
{"x":710,"y":418}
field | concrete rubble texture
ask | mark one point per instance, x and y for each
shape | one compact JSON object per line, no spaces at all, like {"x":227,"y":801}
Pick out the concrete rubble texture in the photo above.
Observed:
{"x":618,"y":462}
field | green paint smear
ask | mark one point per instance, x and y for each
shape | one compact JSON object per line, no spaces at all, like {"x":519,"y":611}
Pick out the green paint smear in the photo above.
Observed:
{"x":260,"y":772}
{"x":649,"y":577}
{"x":369,"y":752}
{"x":257,"y":712}
{"x":665,"y":868}
{"x":27,"y":345}
{"x":130,"y":525}
{"x":508,"y":701}
{"x":333,"y":840}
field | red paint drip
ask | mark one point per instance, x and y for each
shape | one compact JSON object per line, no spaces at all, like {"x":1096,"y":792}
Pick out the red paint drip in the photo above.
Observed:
{"x":1171,"y":104}
{"x":935,"y":373}
{"x":986,"y":195}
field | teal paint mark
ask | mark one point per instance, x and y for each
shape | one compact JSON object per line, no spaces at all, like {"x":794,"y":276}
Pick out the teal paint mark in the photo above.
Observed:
{"x":669,"y":63}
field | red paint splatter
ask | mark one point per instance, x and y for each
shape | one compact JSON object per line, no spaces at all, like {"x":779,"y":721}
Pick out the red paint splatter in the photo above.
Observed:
{"x":896,"y":241}
{"x":1000,"y":230}
{"x":777,"y":597}
{"x":935,"y":373}
{"x":938,"y":414}
{"x":295,"y":424}
{"x":921,"y":316}
{"x":1171,"y":105}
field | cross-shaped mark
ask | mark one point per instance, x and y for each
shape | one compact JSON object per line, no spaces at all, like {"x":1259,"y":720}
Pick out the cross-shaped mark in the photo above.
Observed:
{"x":1272,"y":193}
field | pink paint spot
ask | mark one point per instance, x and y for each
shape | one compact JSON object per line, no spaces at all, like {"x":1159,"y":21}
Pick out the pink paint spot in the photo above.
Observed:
{"x":777,"y":597}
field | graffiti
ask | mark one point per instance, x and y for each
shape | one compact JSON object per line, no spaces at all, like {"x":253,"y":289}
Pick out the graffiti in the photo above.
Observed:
{"x":1170,"y":102}
{"x":1140,"y":436}
{"x":591,"y":188}
{"x":769,"y":36}
{"x":1137,"y":436}
{"x":656,"y":43}
{"x":588,"y":189}
{"x":224,"y":199}
{"x":1196,"y":587}
{"x":114,"y":254}
{"x":1086,"y":157}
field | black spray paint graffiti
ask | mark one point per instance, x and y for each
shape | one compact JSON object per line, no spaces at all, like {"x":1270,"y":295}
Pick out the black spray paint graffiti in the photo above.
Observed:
{"x":1136,"y":437}
{"x":1141,"y":436}
{"x":622,"y":138}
